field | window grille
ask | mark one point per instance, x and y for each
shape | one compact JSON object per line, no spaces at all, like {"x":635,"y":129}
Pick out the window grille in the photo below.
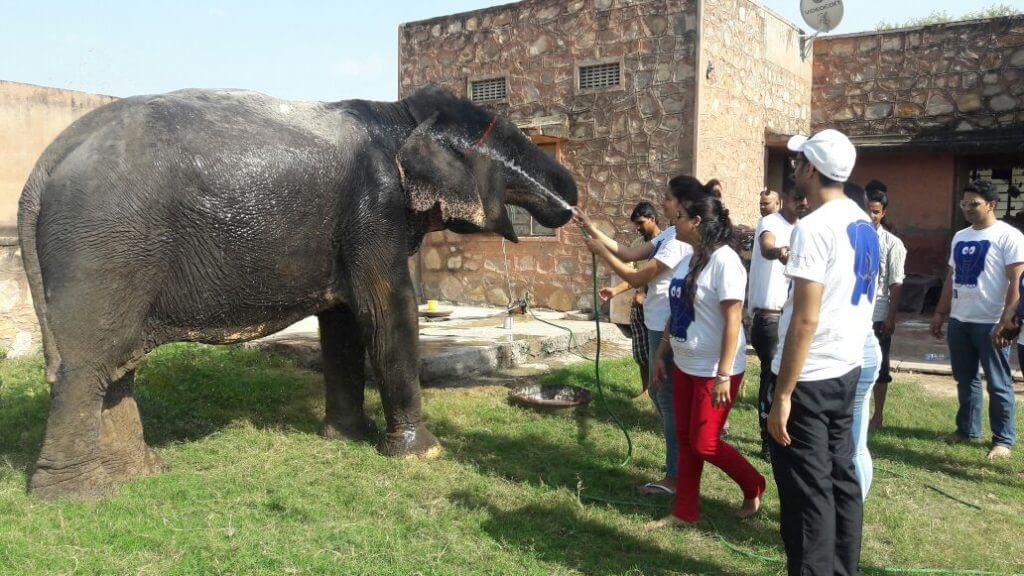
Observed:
{"x":600,"y":76}
{"x":522,"y":222}
{"x":490,"y":90}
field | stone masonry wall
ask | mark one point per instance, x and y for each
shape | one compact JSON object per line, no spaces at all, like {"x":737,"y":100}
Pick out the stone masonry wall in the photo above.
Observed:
{"x":753,"y":81}
{"x":30,"y":118}
{"x":19,"y":329}
{"x":960,"y":76}
{"x":621,"y":145}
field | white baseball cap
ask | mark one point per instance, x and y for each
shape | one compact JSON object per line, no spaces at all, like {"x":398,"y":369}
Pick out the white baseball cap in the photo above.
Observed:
{"x":830,"y":151}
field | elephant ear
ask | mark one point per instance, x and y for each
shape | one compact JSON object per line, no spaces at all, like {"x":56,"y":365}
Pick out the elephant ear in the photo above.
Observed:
{"x":432,"y":174}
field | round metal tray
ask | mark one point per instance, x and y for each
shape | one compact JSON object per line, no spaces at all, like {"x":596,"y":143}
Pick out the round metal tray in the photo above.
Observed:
{"x":550,"y":396}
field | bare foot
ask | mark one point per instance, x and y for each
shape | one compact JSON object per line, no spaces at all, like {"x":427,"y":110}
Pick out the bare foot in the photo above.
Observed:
{"x":666,"y":522}
{"x":999,"y":453}
{"x":749,"y":508}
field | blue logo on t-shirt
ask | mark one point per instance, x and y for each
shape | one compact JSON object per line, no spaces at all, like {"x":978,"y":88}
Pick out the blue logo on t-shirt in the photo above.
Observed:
{"x":864,"y":241}
{"x":682,"y":311}
{"x":969,"y":258}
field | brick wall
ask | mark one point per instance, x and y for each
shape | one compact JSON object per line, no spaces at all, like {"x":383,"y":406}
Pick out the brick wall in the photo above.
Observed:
{"x":620,"y":145}
{"x":757,"y":84}
{"x":956,"y":77}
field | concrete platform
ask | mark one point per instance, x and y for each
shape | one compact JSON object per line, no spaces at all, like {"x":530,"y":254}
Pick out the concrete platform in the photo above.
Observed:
{"x":913,"y":343}
{"x":470,"y":342}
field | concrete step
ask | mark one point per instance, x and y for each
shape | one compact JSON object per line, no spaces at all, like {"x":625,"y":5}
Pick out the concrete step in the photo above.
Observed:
{"x":470,"y":342}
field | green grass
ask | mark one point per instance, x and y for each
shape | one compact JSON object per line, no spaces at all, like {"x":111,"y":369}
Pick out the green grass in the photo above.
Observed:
{"x":253,"y":490}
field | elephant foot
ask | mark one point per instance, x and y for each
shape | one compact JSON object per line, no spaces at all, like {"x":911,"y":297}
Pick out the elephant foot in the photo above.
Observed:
{"x":94,"y":478}
{"x":410,"y":442}
{"x":82,"y":481}
{"x":358,"y":429}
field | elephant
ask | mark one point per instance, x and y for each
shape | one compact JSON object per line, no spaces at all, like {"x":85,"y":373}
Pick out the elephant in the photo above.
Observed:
{"x":221,"y":216}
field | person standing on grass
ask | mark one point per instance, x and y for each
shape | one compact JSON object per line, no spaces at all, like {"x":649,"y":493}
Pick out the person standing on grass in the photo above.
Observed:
{"x":769,"y":202}
{"x":645,"y":220}
{"x":768,"y":292}
{"x":832,"y":264}
{"x":664,"y":253}
{"x":890,"y":284}
{"x":861,"y":456}
{"x":705,"y":336}
{"x":980,"y":298}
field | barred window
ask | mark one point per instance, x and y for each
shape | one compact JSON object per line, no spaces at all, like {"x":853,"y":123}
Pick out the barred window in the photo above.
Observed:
{"x":600,"y":76}
{"x":522,"y":222}
{"x":490,"y":90}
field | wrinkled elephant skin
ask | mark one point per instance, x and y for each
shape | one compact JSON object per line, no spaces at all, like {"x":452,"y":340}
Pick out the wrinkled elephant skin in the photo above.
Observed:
{"x":224,"y":216}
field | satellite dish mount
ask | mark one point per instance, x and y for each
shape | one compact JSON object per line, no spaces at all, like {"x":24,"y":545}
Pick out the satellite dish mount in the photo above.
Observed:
{"x":821,"y":15}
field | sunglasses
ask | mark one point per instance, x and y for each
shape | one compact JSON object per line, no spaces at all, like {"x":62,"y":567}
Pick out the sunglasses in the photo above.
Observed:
{"x":971,"y":203}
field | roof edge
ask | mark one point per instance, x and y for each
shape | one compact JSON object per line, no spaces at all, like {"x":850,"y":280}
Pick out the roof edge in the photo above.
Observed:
{"x":955,"y":23}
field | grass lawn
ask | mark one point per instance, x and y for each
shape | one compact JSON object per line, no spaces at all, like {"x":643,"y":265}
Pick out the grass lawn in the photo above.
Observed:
{"x":253,"y":490}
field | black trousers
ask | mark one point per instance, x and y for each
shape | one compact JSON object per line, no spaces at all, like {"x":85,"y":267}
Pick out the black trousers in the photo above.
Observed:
{"x":821,"y":512}
{"x":885,"y":342}
{"x":764,"y":337}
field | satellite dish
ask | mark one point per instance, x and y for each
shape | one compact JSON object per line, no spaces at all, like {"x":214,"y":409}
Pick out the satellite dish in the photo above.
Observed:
{"x":822,"y":15}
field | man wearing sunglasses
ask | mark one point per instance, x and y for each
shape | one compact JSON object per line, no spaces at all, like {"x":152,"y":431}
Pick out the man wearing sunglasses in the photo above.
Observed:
{"x":980,"y":298}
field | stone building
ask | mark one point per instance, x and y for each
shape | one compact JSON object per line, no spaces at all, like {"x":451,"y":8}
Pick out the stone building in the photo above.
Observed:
{"x":626,"y":94}
{"x":30,"y":117}
{"x":929,"y":109}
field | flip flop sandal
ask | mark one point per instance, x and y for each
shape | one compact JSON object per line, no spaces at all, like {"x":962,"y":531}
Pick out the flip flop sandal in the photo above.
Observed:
{"x":655,"y":489}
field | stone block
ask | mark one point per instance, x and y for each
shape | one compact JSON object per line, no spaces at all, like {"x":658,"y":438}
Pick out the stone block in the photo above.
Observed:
{"x":1002,"y":103}
{"x":892,"y":42}
{"x":878,"y":111}
{"x":455,"y":262}
{"x":968,"y":102}
{"x":937,"y":105}
{"x":432,"y":259}
{"x":1017,"y":59}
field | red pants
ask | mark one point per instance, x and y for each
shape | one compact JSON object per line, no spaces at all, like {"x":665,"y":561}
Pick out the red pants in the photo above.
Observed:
{"x":698,"y":425}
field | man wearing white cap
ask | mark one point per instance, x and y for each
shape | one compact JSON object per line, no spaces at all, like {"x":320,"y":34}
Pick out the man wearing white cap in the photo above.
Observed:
{"x":833,"y":263}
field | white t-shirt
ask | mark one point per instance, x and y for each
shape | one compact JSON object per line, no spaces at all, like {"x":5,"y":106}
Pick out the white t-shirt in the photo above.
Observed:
{"x":769,"y":287}
{"x":979,"y":259}
{"x":697,"y":331}
{"x":835,"y":246}
{"x":669,"y":252}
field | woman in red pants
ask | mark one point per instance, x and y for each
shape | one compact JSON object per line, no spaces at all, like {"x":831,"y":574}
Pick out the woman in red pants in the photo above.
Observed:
{"x":705,"y":335}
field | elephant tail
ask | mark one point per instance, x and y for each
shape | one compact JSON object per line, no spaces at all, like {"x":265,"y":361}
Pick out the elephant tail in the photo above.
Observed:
{"x":28,"y":217}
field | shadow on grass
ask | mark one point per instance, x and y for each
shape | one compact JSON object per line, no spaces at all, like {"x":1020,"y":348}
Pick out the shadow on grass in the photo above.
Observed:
{"x":593,"y":473}
{"x":888,"y":444}
{"x":541,"y":530}
{"x":184,"y":391}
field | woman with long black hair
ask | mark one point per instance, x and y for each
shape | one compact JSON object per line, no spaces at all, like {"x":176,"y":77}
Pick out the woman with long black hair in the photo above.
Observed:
{"x":705,"y":335}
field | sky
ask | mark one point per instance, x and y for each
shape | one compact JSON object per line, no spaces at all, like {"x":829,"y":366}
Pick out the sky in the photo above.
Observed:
{"x":298,"y":49}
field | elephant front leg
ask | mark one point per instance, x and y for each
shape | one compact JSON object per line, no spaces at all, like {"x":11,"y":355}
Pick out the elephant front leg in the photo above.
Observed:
{"x":392,"y":335}
{"x":344,"y":357}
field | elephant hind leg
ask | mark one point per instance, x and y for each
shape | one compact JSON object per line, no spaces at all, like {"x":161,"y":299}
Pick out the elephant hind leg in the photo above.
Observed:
{"x":93,"y":439}
{"x":125,"y":454}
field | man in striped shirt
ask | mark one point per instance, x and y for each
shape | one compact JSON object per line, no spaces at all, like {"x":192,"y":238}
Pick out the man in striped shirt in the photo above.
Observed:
{"x":892,"y":259}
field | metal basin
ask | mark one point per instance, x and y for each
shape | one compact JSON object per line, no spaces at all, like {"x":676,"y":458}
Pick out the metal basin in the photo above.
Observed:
{"x":550,"y":396}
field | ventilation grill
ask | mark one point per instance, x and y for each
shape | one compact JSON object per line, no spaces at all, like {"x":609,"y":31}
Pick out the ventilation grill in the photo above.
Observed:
{"x":489,"y":90}
{"x":599,"y":76}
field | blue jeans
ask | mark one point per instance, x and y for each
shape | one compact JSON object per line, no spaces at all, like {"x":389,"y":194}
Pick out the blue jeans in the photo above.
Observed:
{"x":663,"y":404}
{"x":970,"y":344}
{"x":862,"y":465}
